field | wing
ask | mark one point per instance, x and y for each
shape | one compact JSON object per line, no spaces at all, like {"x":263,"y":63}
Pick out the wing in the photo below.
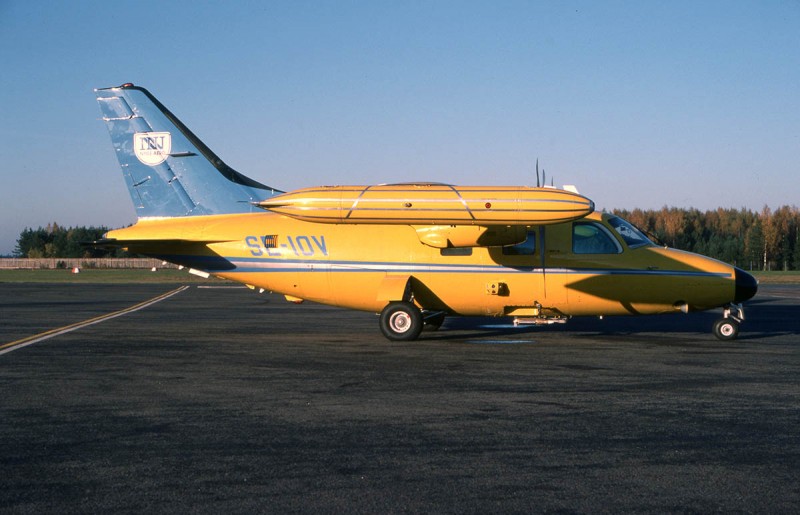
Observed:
{"x":431,"y":204}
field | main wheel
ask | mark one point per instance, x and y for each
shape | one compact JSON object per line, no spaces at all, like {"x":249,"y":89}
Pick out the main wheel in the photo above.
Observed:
{"x":726,"y":329}
{"x":401,"y":321}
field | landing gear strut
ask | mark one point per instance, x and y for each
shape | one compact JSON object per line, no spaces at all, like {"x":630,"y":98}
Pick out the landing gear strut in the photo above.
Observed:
{"x":727,"y":327}
{"x":433,"y":320}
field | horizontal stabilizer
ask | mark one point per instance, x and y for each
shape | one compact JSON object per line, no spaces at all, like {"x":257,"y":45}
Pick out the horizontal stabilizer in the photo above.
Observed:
{"x":177,"y":232}
{"x":114,"y":243}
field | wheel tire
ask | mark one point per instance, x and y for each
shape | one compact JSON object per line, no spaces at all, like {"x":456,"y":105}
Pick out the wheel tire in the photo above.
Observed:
{"x":401,"y":321}
{"x":726,"y":329}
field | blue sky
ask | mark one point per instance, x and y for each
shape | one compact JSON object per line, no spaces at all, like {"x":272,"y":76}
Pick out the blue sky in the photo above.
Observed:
{"x":640,"y":104}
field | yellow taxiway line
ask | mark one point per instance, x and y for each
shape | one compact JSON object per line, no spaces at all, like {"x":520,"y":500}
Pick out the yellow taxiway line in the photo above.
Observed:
{"x":30,"y":340}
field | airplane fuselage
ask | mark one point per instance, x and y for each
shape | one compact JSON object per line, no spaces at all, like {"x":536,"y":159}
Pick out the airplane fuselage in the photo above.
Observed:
{"x":365,"y":266}
{"x":413,"y":252}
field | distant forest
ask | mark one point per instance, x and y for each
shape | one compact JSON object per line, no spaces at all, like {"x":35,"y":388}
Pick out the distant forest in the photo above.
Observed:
{"x":765,"y":240}
{"x":55,"y":241}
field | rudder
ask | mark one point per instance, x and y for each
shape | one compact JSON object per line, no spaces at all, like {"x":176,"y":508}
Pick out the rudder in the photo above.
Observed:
{"x":168,"y":170}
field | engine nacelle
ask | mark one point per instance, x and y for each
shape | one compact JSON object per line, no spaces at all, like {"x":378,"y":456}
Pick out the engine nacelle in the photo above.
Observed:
{"x":452,"y":236}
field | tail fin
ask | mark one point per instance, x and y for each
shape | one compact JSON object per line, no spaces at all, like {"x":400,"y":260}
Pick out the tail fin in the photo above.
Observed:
{"x":168,"y":170}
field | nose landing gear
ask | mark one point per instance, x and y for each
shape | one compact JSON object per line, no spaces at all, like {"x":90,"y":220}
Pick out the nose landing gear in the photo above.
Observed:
{"x":727,"y":327}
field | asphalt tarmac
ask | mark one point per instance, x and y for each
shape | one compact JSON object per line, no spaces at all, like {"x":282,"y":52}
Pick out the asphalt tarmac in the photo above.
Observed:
{"x":221,"y":400}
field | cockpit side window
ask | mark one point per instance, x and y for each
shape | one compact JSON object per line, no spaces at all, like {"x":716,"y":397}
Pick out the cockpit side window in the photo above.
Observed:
{"x":593,"y":238}
{"x":633,"y":237}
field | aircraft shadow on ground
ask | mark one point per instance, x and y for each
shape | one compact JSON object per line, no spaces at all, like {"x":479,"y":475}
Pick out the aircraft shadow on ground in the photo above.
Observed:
{"x":764,"y":318}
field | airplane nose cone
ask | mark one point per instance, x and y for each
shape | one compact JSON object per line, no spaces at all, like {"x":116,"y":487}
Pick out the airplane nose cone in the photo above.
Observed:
{"x":746,"y":286}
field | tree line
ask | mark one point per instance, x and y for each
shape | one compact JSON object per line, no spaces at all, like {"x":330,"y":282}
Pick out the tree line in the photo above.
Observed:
{"x":55,"y":241}
{"x":765,"y":240}
{"x":753,"y":240}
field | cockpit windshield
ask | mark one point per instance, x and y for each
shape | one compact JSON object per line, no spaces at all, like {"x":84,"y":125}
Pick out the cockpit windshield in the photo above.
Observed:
{"x":633,"y":237}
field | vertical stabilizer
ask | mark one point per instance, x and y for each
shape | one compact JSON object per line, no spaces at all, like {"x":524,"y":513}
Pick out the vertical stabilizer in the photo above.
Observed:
{"x":168,"y":170}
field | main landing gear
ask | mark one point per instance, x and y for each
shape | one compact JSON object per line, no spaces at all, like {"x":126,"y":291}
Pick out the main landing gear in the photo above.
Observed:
{"x":727,"y":327}
{"x":401,"y":321}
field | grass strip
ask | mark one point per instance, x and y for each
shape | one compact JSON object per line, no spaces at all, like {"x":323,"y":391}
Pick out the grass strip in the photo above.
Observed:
{"x":105,"y":276}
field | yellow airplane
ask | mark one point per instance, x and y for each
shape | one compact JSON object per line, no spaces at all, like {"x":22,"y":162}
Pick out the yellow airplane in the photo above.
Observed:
{"x":414,"y":252}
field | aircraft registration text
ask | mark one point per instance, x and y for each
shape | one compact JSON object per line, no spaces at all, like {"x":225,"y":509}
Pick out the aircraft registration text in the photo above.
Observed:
{"x":300,"y":245}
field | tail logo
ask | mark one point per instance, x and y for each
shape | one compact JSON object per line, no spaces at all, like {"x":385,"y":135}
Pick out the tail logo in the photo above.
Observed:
{"x":152,"y":148}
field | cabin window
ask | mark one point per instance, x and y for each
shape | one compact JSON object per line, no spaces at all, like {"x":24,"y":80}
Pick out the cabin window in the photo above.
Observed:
{"x":593,"y":238}
{"x":456,"y":251}
{"x":526,"y":248}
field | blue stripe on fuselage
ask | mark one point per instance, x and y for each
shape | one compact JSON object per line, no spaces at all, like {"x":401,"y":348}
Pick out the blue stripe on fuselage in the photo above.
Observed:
{"x":266,"y":265}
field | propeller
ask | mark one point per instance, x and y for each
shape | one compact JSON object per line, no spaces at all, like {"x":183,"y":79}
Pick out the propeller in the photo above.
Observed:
{"x":543,"y":182}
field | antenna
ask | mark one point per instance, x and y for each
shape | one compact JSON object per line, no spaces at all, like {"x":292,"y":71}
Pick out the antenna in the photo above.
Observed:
{"x":538,"y":185}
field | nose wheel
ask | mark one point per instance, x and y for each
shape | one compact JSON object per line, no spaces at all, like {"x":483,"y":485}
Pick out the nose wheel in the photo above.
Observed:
{"x":727,"y":327}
